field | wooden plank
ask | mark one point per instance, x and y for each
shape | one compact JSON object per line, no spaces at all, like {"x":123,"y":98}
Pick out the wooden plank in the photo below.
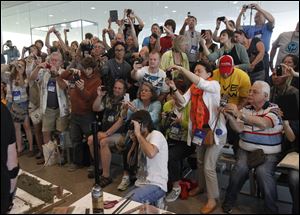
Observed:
{"x":27,"y":203}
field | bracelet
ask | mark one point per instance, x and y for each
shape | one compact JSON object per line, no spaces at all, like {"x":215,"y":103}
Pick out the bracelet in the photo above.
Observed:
{"x":175,"y":90}
{"x":217,"y":29}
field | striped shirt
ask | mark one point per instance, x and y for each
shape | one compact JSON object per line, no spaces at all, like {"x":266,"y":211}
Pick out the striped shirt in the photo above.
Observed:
{"x":256,"y":138}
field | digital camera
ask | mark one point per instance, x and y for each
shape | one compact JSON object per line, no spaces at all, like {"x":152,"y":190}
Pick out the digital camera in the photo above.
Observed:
{"x":223,"y":101}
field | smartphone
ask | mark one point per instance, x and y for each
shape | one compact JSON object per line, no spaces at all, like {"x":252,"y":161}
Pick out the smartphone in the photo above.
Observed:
{"x":67,"y":30}
{"x":203,"y":32}
{"x":278,"y":69}
{"x":169,"y":74}
{"x":188,"y":14}
{"x":221,"y":18}
{"x":126,"y":97}
{"x":113,"y":14}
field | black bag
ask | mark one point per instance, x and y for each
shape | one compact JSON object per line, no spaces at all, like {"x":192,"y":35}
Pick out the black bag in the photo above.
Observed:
{"x":256,"y":158}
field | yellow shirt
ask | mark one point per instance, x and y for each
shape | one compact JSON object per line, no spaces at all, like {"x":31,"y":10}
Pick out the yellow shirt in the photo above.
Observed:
{"x":167,"y":60}
{"x":235,"y":86}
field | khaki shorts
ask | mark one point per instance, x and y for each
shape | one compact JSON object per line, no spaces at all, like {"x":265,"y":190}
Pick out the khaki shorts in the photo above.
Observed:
{"x":52,"y":121}
{"x":116,"y":142}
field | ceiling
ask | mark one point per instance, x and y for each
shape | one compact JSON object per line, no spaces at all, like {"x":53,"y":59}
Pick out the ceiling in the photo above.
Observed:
{"x":8,"y":4}
{"x":19,"y":17}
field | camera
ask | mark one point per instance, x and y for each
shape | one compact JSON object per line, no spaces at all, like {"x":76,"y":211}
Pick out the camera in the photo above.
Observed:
{"x":103,"y":88}
{"x":278,"y":70}
{"x":188,"y":14}
{"x":169,"y":74}
{"x":128,"y":12}
{"x":26,"y":48}
{"x":223,"y":100}
{"x":161,"y":28}
{"x":67,"y":30}
{"x":76,"y":77}
{"x":139,"y":60}
{"x":48,"y":66}
{"x":246,"y":6}
{"x":53,"y":49}
{"x":221,"y":18}
{"x":86,"y":47}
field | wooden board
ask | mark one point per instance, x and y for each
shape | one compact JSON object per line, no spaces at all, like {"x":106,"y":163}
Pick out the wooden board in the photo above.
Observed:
{"x":24,"y":202}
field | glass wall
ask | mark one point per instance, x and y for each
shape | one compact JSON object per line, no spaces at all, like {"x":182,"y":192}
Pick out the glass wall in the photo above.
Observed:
{"x":18,"y":21}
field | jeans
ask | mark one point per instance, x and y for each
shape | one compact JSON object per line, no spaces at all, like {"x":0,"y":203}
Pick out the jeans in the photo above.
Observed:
{"x":264,"y":176}
{"x":79,"y":125}
{"x":148,"y":193}
{"x":294,"y":189}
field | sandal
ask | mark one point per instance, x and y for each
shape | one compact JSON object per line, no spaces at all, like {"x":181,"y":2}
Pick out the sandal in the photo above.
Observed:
{"x":105,"y":181}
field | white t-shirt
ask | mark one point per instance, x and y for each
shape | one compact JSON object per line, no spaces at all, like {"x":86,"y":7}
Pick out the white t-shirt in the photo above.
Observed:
{"x":156,"y":79}
{"x":157,"y":167}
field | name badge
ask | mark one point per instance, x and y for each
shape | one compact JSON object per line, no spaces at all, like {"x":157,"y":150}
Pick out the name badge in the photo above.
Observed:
{"x":193,"y":50}
{"x":51,"y":86}
{"x":111,"y":119}
{"x":199,"y":136}
{"x":175,"y":129}
{"x":16,"y":95}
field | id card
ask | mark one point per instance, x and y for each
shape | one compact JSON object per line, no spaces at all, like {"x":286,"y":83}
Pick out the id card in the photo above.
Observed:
{"x":51,"y":86}
{"x":199,"y":136}
{"x":111,"y":118}
{"x":16,"y":95}
{"x":175,"y":129}
{"x":193,"y":50}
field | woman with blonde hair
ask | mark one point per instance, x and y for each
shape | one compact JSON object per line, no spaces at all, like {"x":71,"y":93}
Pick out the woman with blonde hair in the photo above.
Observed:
{"x":17,"y":98}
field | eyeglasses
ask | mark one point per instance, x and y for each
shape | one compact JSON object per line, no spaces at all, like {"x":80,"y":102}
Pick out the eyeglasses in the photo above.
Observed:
{"x":145,"y":90}
{"x":119,"y":50}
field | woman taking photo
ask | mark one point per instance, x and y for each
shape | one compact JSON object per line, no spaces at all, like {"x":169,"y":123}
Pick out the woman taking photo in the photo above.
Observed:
{"x":17,"y":98}
{"x":205,"y":99}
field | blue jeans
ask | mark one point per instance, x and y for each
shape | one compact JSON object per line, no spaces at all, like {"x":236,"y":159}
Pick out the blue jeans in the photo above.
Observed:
{"x":264,"y":176}
{"x":147,"y":193}
{"x":294,"y":189}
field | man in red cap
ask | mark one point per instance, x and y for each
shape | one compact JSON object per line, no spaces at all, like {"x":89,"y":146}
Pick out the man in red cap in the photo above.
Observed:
{"x":234,"y":82}
{"x":235,"y":85}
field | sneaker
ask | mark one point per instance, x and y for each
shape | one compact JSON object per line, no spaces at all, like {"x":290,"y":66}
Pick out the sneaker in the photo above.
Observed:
{"x":141,"y":182}
{"x":174,"y":194}
{"x":124,"y":183}
{"x":73,"y":167}
{"x":227,"y":208}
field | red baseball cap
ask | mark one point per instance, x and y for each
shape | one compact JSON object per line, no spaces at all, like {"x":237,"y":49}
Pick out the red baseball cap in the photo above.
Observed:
{"x":226,"y":64}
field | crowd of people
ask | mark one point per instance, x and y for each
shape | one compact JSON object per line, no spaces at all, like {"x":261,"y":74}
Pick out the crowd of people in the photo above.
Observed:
{"x":156,"y":105}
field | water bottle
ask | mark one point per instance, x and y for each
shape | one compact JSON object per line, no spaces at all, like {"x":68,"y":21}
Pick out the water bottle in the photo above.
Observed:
{"x":97,"y":199}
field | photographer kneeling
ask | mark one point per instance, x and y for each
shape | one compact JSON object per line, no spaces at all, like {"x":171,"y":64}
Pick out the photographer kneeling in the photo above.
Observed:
{"x":152,"y":159}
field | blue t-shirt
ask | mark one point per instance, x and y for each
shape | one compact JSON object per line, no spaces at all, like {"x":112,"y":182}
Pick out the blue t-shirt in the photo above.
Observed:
{"x":146,"y":41}
{"x":262,"y":32}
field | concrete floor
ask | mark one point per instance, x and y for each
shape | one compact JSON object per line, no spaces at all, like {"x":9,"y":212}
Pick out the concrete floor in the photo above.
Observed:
{"x":79,"y":184}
